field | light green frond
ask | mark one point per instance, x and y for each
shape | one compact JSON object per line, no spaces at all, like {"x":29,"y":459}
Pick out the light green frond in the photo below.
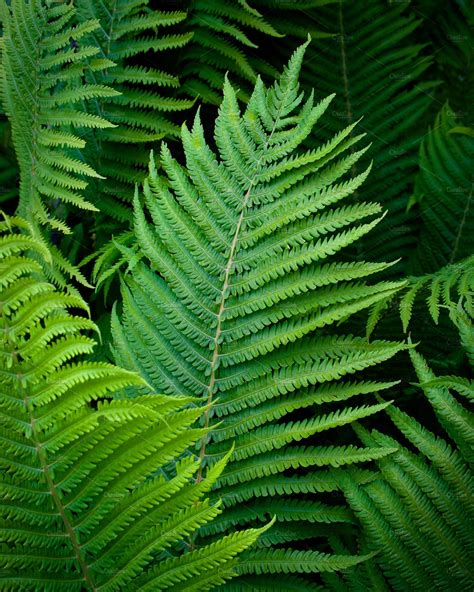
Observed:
{"x":96,"y":489}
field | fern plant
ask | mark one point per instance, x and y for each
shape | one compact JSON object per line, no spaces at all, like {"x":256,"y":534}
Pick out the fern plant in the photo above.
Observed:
{"x":418,"y":514}
{"x":233,"y":285}
{"x":95,"y":495}
{"x":206,"y":40}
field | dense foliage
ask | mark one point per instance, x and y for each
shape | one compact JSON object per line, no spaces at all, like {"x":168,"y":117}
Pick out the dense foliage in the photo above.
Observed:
{"x":236,"y":292}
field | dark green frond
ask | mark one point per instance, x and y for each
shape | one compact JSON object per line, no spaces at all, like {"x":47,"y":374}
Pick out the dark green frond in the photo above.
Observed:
{"x":444,"y":195}
{"x":447,"y":26}
{"x":222,"y":42}
{"x":129,"y":34}
{"x":8,"y":169}
{"x":418,"y":514}
{"x":376,"y":66}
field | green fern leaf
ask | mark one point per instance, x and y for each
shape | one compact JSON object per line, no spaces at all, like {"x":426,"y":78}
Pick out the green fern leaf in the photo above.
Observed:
{"x":42,"y":63}
{"x":233,"y":285}
{"x":94,"y":494}
{"x":141,"y":109}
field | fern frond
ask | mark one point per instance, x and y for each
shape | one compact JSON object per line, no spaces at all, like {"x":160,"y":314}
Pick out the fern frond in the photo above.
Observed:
{"x":231,"y":293}
{"x":86,"y":502}
{"x":444,"y":195}
{"x":221,"y":33}
{"x":36,"y":46}
{"x":418,"y":514}
{"x":448,"y":27}
{"x":129,"y":33}
{"x":43,"y":59}
{"x":374,"y":61}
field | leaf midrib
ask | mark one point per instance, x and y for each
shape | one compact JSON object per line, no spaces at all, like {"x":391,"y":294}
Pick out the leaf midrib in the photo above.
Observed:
{"x":228,"y":269}
{"x":70,"y":532}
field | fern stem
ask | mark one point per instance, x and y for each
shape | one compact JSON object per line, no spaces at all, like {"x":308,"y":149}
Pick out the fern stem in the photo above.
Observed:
{"x":55,"y":496}
{"x":230,"y":262}
{"x":344,"y":68}
{"x":461,"y":226}
{"x":215,"y":355}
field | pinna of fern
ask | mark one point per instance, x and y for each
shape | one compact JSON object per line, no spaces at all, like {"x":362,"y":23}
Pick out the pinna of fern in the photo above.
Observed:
{"x":86,"y":502}
{"x":418,"y":514}
{"x":233,"y":285}
{"x":294,"y":19}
